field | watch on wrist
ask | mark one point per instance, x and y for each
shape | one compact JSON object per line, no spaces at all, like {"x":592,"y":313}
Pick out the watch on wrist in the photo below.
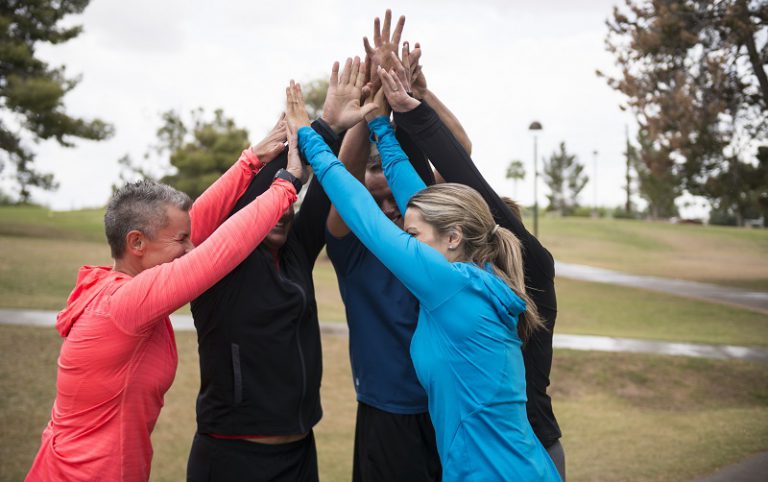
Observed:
{"x":287,"y":176}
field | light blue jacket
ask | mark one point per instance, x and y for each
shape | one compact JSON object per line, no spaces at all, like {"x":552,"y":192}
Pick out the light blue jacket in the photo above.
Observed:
{"x":465,"y":350}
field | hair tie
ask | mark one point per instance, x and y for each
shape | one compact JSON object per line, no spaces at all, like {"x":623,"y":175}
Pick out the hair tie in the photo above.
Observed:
{"x":494,"y":230}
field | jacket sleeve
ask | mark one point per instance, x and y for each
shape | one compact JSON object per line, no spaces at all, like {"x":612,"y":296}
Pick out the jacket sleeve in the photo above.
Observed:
{"x":213,"y":206}
{"x":417,"y":265}
{"x":309,"y":226}
{"x":400,"y":174}
{"x":450,"y":159}
{"x":418,"y":160}
{"x":159,"y":291}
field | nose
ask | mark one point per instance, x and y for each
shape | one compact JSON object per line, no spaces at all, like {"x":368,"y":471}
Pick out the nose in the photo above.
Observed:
{"x":389,"y":207}
{"x":188,"y":246}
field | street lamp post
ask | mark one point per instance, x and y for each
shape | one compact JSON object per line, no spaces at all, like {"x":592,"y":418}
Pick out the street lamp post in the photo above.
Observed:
{"x":594,"y":184}
{"x":534,"y":127}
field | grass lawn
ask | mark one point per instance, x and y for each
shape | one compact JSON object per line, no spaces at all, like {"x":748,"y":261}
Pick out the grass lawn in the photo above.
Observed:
{"x":712,"y":254}
{"x":625,"y":417}
{"x":602,"y":309}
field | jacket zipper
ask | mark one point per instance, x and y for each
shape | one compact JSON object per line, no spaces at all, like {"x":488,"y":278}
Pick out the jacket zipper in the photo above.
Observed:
{"x":298,"y":345}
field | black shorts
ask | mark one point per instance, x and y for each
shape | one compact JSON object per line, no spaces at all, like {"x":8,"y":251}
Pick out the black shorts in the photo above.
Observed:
{"x":393,"y":447}
{"x":222,"y":460}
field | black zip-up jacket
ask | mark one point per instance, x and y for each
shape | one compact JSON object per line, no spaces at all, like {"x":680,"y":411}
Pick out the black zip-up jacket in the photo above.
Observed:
{"x":257,"y":329}
{"x":433,"y":137}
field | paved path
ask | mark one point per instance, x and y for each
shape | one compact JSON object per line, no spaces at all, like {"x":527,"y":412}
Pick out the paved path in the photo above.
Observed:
{"x":753,"y":469}
{"x":573,"y":342}
{"x":753,"y":300}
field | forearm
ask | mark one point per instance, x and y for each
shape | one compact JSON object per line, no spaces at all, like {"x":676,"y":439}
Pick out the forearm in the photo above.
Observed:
{"x":261,"y":182}
{"x":450,"y":120}
{"x":400,"y":174}
{"x":355,"y":150}
{"x":354,"y":153}
{"x":158,"y":291}
{"x":417,"y":158}
{"x":213,"y":206}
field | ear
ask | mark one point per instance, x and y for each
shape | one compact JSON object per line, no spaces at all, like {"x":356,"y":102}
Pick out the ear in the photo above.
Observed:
{"x":135,"y":243}
{"x":455,"y":237}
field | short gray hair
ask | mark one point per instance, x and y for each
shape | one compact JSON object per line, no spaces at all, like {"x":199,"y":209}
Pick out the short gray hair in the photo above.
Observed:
{"x":140,"y":206}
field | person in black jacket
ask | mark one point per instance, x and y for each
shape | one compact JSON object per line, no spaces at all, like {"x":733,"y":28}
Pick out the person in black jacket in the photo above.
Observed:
{"x":259,"y":337}
{"x":431,"y":135}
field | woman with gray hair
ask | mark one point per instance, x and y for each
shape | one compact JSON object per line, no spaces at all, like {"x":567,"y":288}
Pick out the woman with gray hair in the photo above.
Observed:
{"x":119,"y":355}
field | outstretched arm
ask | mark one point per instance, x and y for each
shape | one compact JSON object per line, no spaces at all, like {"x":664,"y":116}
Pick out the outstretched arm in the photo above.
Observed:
{"x":417,"y":265}
{"x":342,"y":110}
{"x":156,"y":292}
{"x":213,"y":206}
{"x":354,"y":153}
{"x":418,"y":84}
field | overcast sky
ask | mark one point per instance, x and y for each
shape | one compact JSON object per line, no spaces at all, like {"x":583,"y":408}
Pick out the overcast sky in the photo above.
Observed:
{"x":498,"y":64}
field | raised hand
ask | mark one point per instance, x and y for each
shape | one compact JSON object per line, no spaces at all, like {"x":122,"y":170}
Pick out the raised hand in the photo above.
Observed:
{"x":295,"y":109}
{"x":380,"y":106}
{"x":342,"y":108}
{"x":393,"y":85}
{"x":273,"y":144}
{"x":383,"y":44}
{"x":294,"y":165}
{"x":416,"y":79}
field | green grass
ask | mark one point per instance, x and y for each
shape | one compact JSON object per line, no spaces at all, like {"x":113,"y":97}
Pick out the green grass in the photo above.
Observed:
{"x":625,"y":417}
{"x":603,"y":309}
{"x":712,"y":254}
{"x":584,"y":308}
{"x":30,"y":221}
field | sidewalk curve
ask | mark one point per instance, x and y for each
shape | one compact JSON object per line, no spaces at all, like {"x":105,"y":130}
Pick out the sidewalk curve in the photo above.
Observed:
{"x":749,"y":299}
{"x":571,"y":342}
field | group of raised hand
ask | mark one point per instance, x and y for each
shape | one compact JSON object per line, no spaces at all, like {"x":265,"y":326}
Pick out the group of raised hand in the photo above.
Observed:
{"x":364,"y":90}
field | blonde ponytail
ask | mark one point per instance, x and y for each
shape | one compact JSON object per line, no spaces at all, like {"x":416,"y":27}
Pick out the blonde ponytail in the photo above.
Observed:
{"x":448,"y":206}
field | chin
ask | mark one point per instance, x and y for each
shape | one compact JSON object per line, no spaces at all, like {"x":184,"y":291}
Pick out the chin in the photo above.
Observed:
{"x":275,"y":241}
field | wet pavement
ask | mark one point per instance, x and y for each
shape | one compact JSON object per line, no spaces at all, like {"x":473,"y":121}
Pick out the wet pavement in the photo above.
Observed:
{"x":571,"y":342}
{"x":753,"y":300}
{"x":753,"y":469}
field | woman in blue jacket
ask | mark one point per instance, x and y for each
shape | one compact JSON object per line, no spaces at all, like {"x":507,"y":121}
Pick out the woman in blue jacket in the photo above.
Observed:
{"x":467,"y":275}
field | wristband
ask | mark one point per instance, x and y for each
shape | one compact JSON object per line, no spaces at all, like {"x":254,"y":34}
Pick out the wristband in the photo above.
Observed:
{"x":287,"y":176}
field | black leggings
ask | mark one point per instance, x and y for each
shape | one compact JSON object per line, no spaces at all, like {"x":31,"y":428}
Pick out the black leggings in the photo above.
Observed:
{"x":557,"y":454}
{"x":222,"y":460}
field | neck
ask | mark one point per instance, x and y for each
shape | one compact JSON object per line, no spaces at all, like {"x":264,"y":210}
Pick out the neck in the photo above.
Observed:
{"x":127,"y":266}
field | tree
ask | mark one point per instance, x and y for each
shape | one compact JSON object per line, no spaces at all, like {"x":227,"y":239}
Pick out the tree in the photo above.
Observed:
{"x":565,"y":177}
{"x":742,"y":191}
{"x":314,"y":96}
{"x":32,"y":92}
{"x":657,"y":184}
{"x":200,"y":152}
{"x":516,"y":172}
{"x":693,"y":72}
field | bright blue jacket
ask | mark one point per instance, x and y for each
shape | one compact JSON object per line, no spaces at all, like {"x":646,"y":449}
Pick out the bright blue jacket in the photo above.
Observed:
{"x":465,"y":350}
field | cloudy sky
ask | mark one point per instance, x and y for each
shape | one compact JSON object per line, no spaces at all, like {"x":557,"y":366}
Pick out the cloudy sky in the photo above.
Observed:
{"x":498,"y":64}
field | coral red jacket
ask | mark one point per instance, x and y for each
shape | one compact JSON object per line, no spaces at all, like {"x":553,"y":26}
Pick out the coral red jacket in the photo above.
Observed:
{"x":119,"y":354}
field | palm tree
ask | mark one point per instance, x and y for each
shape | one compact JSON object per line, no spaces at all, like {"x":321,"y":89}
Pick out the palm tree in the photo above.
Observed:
{"x":516,"y":172}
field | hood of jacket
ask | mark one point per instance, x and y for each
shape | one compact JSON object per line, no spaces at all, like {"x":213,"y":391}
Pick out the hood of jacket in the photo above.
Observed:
{"x":90,"y":282}
{"x":507,"y":304}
